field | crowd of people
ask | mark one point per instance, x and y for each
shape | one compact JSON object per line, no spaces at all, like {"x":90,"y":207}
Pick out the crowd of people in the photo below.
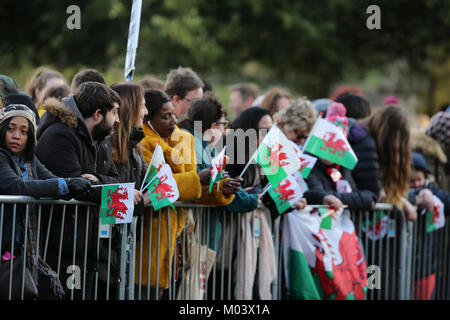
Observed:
{"x":59,"y":140}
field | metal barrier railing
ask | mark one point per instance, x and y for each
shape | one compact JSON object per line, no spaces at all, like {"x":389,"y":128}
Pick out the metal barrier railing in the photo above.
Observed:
{"x":68,"y":239}
{"x":430,"y":267}
{"x":215,"y":255}
{"x":382,"y":235}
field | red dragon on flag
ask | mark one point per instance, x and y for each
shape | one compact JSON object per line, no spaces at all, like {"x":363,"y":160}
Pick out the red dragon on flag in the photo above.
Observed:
{"x":276,"y":158}
{"x":285,"y":194}
{"x":304,"y":163}
{"x":436,"y":214}
{"x":163,"y":189}
{"x":116,"y":206}
{"x":347,"y":277}
{"x":334,"y":145}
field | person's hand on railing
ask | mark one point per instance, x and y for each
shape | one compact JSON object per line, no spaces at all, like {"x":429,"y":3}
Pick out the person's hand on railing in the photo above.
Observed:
{"x":410,"y":211}
{"x":90,"y":177}
{"x":204,"y":176}
{"x":231,"y":186}
{"x":137,"y":196}
{"x":78,"y":185}
{"x":300,"y":204}
{"x":333,"y":202}
{"x":425,"y":199}
{"x":146,"y":197}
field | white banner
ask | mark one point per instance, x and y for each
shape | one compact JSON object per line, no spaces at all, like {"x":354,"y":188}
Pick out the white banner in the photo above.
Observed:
{"x":133,"y":37}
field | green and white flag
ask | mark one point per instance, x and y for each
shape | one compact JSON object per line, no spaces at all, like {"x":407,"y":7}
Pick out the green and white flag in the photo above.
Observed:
{"x":216,"y":168}
{"x":329,"y":217}
{"x":328,"y":142}
{"x":163,"y":188}
{"x":117,"y":204}
{"x":286,"y":193}
{"x":276,"y":156}
{"x":376,"y":226}
{"x":155,"y":164}
{"x":435,"y":218}
{"x":307,"y":161}
{"x":321,"y":263}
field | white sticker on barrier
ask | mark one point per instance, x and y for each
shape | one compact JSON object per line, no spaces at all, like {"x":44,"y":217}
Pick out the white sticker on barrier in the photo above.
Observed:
{"x":104,"y":231}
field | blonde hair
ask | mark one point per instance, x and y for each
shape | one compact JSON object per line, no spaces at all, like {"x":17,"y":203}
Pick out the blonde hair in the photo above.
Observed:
{"x":272,"y":96}
{"x":300,"y":114}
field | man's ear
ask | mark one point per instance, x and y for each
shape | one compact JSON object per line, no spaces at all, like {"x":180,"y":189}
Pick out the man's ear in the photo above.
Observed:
{"x":176,"y":99}
{"x":98,"y":116}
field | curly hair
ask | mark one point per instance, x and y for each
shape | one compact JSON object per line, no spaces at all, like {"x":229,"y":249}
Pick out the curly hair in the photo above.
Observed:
{"x":207,"y":110}
{"x":300,"y":114}
{"x":390,"y":129}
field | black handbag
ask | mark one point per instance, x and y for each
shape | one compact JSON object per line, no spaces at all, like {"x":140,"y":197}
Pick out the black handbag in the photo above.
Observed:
{"x":30,"y":290}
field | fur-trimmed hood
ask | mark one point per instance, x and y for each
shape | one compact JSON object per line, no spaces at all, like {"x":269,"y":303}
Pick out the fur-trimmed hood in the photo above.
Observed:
{"x":65,"y":112}
{"x":426,"y":145}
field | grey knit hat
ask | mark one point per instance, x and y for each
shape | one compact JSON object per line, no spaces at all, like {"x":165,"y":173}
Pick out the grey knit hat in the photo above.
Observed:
{"x":18,"y":110}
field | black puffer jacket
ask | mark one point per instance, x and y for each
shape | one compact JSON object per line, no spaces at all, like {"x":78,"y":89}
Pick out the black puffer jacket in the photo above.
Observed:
{"x":320,"y":185}
{"x":42,"y":184}
{"x":366,"y":173}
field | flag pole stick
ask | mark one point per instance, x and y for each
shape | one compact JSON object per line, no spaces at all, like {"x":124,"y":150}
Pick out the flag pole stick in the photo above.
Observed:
{"x":324,"y":206}
{"x":148,"y":168}
{"x":246,"y":166}
{"x":249,"y":161}
{"x":107,"y":185}
{"x":149,"y":182}
{"x":266,"y":188}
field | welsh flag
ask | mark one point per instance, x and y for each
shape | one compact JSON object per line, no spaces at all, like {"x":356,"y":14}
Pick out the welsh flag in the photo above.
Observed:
{"x":321,"y":263}
{"x":216,"y":168}
{"x":117,"y":203}
{"x":376,"y":226}
{"x":277,"y":157}
{"x":287,"y":192}
{"x":163,"y":188}
{"x":307,"y":161}
{"x":435,"y":218}
{"x":155,"y":164}
{"x":328,"y":142}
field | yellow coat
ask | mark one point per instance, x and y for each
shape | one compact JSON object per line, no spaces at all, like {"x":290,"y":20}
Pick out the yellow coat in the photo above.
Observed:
{"x":179,"y":153}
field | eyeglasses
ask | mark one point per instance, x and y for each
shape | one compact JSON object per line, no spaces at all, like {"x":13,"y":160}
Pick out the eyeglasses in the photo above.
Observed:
{"x":189,"y":100}
{"x":301,"y":136}
{"x":225,"y":123}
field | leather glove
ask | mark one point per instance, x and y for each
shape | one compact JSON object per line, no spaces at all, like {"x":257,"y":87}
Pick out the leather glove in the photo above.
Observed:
{"x":78,"y":185}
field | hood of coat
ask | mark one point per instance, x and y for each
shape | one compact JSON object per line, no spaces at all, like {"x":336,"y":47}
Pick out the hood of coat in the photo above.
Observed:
{"x":426,"y":145}
{"x":11,"y":161}
{"x":357,"y":132}
{"x":65,"y":112}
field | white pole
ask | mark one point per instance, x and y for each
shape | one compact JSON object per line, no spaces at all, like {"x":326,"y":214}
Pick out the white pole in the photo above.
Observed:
{"x":133,"y":37}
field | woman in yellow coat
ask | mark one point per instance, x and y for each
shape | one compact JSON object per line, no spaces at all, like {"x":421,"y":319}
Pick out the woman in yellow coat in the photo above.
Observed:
{"x":178,"y":148}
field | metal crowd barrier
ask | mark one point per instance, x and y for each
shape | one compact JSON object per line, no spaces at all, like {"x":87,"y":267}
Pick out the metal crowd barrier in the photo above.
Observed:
{"x":429,"y":269}
{"x":208,"y":261}
{"x":70,"y":241}
{"x":382,"y":233}
{"x":210,"y":251}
